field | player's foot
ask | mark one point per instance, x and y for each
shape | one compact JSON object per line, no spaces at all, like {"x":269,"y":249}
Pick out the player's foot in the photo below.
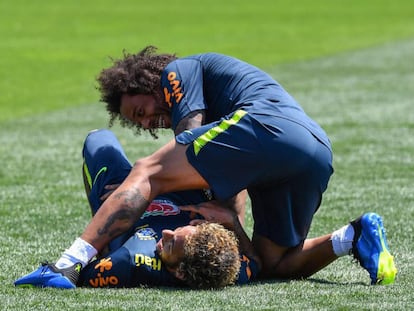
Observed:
{"x":370,"y":248}
{"x":47,"y":275}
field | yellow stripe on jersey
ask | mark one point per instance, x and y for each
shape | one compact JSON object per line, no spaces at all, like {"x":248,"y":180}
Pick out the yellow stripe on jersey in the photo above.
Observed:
{"x":212,"y":133}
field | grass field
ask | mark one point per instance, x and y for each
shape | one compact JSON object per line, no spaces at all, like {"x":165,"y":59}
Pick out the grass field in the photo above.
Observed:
{"x":51,"y":51}
{"x":350,"y":68}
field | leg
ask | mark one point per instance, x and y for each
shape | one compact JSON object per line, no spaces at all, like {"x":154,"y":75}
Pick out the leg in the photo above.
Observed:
{"x":105,"y":163}
{"x":167,"y":170}
{"x":364,"y":237}
{"x":283,"y":213}
{"x":297,"y":262}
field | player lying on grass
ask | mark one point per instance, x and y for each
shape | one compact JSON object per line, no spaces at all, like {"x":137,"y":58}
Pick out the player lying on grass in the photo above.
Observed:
{"x":236,"y":129}
{"x":161,"y":249}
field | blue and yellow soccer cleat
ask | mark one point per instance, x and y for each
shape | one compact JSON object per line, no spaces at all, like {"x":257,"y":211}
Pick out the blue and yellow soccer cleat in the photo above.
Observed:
{"x":47,"y":275}
{"x":371,"y":250}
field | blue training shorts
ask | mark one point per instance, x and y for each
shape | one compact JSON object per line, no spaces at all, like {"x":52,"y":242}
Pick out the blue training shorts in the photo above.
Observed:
{"x":284,"y":167}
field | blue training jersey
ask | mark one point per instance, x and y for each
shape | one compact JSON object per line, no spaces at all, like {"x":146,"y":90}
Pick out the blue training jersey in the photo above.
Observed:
{"x":221,"y":84}
{"x":136,"y":262}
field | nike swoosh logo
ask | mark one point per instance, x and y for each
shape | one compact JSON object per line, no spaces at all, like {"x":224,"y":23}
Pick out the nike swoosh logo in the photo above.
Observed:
{"x":102,"y":170}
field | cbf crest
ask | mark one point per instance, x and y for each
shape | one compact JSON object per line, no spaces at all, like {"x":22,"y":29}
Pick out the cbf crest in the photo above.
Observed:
{"x":146,"y":233}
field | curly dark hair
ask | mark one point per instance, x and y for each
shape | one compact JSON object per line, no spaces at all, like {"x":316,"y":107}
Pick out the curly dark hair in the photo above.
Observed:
{"x":211,"y":257}
{"x":133,"y":74}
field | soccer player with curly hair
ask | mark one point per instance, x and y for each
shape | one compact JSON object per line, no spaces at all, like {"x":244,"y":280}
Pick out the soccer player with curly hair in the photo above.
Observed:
{"x":166,"y":246}
{"x":210,"y":258}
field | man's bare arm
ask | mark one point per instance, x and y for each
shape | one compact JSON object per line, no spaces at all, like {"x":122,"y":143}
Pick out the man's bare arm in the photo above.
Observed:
{"x":130,"y":205}
{"x":192,"y":120}
{"x":129,"y":211}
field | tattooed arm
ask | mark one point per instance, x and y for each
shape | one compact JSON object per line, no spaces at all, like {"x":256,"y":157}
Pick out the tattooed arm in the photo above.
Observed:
{"x":124,"y":208}
{"x":128,"y":202}
{"x":131,"y":201}
{"x":166,"y":170}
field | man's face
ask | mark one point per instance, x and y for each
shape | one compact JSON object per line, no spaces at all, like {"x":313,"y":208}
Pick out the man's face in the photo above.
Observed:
{"x":145,"y":111}
{"x":171,"y":246}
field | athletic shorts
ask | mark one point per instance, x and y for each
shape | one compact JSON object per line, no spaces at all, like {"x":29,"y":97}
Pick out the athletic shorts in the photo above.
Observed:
{"x":284,"y":167}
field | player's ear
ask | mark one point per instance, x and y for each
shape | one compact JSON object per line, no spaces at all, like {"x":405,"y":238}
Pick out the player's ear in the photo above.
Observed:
{"x":179,"y":274}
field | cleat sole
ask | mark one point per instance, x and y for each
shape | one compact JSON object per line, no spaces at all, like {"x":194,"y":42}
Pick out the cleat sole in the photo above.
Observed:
{"x":386,"y":269}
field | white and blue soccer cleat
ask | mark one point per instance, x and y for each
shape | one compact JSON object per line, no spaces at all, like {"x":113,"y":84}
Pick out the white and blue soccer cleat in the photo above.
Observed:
{"x":371,"y":250}
{"x":47,"y":275}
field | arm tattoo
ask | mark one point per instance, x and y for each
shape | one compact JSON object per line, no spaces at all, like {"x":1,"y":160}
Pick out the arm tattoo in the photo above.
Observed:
{"x":131,"y":206}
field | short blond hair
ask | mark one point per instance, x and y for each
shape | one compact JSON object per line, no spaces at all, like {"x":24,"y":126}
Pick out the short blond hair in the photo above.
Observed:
{"x":212,"y":257}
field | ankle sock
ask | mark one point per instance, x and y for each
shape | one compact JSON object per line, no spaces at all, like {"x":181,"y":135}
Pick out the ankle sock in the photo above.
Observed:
{"x":342,"y":240}
{"x":80,"y":251}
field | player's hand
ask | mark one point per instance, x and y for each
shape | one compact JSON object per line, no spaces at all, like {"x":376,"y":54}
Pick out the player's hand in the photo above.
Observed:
{"x":212,"y":211}
{"x":111,"y":189}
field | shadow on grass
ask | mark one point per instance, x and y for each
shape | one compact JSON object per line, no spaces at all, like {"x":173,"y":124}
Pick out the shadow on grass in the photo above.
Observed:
{"x":264,"y":282}
{"x":308,"y":280}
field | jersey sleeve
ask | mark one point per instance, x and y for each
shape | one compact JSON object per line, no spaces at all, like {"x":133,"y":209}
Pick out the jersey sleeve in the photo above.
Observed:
{"x":182,"y":86}
{"x":248,"y":270}
{"x":114,"y":270}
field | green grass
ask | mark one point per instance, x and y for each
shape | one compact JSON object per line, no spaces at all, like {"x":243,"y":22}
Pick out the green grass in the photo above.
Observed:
{"x":354,"y":77}
{"x":51,"y":51}
{"x":363,"y":101}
